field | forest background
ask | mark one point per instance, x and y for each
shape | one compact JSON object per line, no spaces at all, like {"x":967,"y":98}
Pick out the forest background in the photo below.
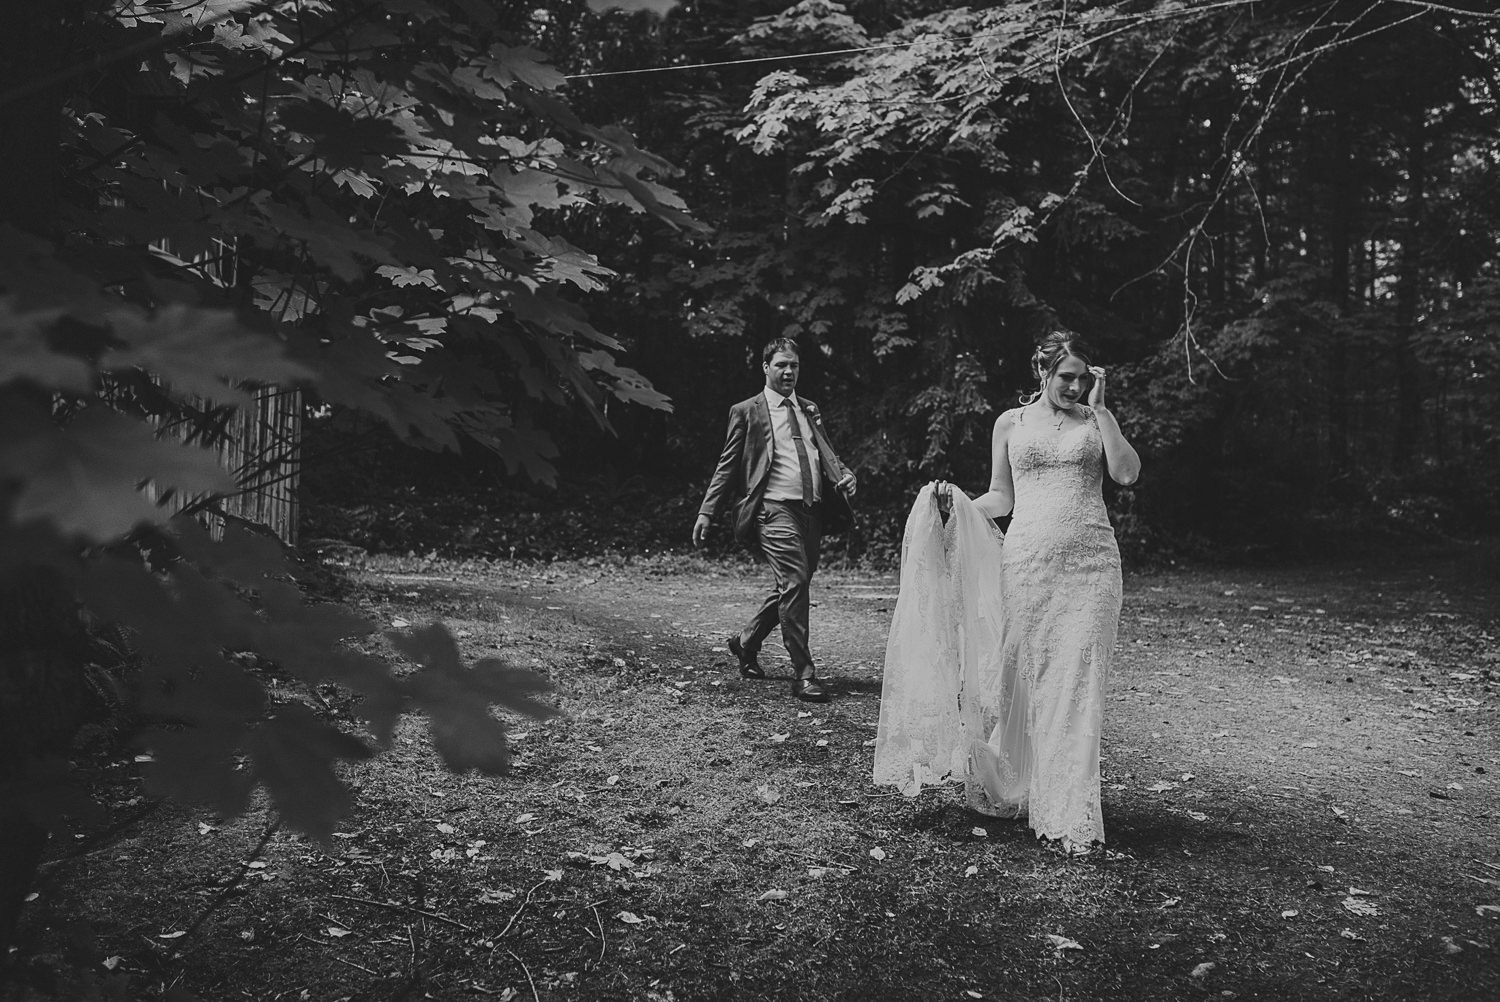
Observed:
{"x":1276,"y":223}
{"x":509,"y":332}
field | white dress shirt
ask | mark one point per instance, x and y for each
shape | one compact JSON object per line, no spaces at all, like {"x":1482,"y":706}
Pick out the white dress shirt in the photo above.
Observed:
{"x":785,"y":482}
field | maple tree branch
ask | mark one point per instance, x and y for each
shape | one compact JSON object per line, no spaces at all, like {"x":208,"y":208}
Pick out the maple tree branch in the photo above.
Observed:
{"x":132,"y":51}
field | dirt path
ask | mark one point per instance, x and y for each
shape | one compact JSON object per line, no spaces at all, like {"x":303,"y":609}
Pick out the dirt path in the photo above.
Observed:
{"x":1337,"y":727}
{"x":1300,"y":776}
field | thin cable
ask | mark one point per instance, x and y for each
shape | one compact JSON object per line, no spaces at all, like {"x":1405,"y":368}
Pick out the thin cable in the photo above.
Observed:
{"x":739,"y":62}
{"x":1134,"y":19}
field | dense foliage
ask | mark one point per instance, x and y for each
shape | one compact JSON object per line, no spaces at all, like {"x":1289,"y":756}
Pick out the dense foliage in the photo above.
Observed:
{"x":1276,"y":221}
{"x":203,"y":199}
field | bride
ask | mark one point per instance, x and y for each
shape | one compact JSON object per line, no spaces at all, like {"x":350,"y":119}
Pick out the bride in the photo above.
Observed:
{"x":999,"y":648}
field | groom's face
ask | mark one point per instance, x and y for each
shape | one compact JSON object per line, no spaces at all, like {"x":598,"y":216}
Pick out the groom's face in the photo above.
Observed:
{"x":781,"y":372}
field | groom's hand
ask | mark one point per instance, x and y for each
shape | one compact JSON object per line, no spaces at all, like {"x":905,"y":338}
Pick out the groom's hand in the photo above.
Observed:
{"x":847,"y":485}
{"x":700,"y":530}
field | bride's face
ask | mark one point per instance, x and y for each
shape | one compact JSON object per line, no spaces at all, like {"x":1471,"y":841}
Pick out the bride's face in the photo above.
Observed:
{"x":1068,"y":384}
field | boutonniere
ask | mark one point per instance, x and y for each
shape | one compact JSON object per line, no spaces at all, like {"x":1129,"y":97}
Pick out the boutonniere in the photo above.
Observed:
{"x":811,"y":410}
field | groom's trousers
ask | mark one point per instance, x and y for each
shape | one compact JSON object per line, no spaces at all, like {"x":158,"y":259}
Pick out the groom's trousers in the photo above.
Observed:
{"x":790,"y":538}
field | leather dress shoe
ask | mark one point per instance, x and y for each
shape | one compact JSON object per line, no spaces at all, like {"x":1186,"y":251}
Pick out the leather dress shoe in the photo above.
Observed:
{"x":808,"y":689}
{"x":749,"y":664}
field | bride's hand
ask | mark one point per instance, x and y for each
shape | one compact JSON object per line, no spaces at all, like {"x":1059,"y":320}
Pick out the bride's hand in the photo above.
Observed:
{"x":1096,"y":393}
{"x":943,"y":491}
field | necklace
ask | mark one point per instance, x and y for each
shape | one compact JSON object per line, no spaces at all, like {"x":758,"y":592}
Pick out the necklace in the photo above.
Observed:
{"x":1062,"y":414}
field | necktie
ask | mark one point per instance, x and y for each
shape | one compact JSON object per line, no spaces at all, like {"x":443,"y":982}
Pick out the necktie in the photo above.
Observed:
{"x":807,"y":480}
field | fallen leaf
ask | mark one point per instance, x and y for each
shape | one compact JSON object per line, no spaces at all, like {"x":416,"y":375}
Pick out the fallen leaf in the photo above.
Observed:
{"x":971,"y":871}
{"x":445,"y":828}
{"x":1483,"y":910}
{"x":1356,"y":892}
{"x":818,"y":872}
{"x":766,"y":794}
{"x":521,"y":819}
{"x":611,"y":781}
{"x":980,"y":832}
{"x":774,"y":894}
{"x":336,"y":932}
{"x":1290,"y":913}
{"x":1450,"y":947}
{"x":1407,"y":772}
{"x":1359,"y":906}
{"x":1197,"y":815}
{"x":552,"y":875}
{"x":821,"y":743}
{"x":1203,"y":969}
{"x":750,"y":843}
{"x":1161,"y":786}
{"x":495,"y":896}
{"x":1351,"y":934}
{"x":398,"y":622}
{"x":630,"y":918}
{"x":1061,"y":943}
{"x":110,"y":963}
{"x":877,"y":853}
{"x":173,"y":935}
{"x":776,"y":739}
{"x":1171,"y":903}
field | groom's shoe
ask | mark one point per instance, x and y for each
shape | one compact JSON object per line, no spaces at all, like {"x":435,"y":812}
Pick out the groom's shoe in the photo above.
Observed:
{"x":806,"y":687}
{"x":749,"y":663}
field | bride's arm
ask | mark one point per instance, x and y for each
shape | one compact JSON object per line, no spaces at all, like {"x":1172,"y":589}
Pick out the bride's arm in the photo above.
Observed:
{"x":1120,"y":457}
{"x":1001,"y":497}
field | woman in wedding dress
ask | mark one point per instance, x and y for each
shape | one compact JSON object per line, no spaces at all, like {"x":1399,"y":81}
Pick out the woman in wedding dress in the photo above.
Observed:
{"x":1005,"y":687}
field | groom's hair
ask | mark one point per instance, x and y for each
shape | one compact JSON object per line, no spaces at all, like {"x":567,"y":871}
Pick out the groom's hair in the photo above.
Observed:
{"x":776,"y":344}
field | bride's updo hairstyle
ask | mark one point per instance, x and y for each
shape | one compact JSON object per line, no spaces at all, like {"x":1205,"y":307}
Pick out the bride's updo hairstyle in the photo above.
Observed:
{"x":1049,"y":354}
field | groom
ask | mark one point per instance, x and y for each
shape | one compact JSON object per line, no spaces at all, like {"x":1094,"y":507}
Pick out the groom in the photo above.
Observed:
{"x":788,"y":488}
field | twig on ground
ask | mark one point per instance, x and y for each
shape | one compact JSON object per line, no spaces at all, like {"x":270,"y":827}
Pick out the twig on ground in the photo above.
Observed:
{"x":358,"y":967}
{"x":525,"y":901}
{"x":535,"y":997}
{"x":601,"y":933}
{"x":1492,"y":866}
{"x":399,"y":907}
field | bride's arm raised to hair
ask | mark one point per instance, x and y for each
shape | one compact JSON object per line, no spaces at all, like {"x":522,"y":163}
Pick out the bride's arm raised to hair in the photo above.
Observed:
{"x":1120,"y":457}
{"x":1001,"y":497}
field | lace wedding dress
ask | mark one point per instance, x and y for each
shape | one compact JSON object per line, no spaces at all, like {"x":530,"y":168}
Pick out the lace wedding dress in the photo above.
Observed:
{"x":1036,"y":691}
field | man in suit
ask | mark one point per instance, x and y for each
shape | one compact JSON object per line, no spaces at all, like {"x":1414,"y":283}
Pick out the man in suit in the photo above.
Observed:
{"x":789,"y":488}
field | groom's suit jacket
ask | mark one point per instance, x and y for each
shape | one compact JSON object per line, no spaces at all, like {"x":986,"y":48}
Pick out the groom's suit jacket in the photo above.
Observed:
{"x":745,"y":468}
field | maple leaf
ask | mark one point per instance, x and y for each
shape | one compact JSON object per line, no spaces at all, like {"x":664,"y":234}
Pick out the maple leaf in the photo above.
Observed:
{"x":199,"y":351}
{"x":457,"y":698}
{"x":294,"y":752}
{"x":85,"y":478}
{"x":25,"y":353}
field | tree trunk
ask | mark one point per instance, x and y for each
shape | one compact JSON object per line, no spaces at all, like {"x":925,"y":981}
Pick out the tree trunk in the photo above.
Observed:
{"x":1340,"y":231}
{"x":1408,"y":299}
